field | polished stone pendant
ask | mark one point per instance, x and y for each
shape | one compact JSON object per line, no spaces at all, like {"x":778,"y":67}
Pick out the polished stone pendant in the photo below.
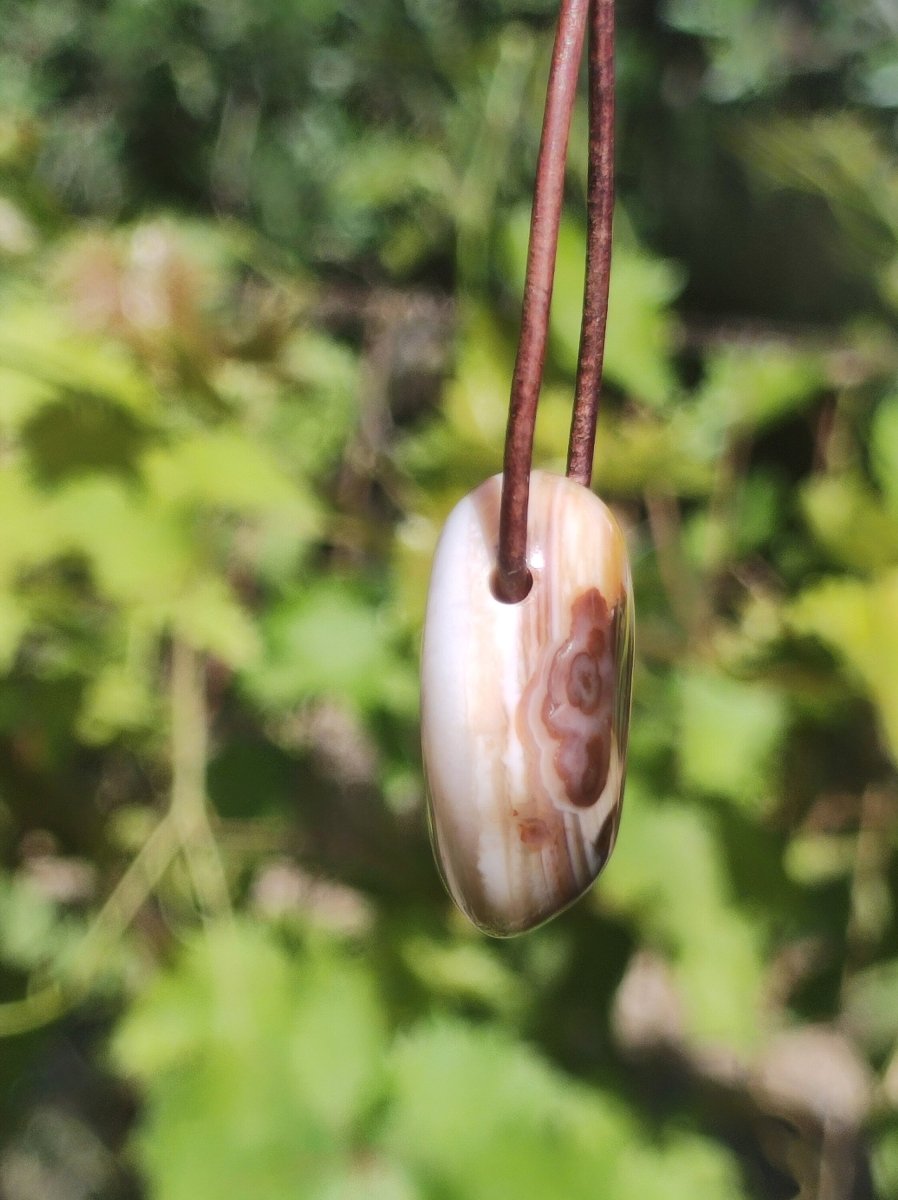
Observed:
{"x":526,"y":707}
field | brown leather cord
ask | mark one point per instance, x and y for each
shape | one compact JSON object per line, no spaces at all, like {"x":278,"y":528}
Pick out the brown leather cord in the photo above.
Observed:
{"x":600,"y":214}
{"x":512,"y":579}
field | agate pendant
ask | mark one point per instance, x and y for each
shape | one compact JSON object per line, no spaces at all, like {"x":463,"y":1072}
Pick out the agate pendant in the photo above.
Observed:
{"x":526,"y":707}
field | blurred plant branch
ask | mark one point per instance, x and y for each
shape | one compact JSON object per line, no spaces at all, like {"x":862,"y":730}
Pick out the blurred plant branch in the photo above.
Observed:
{"x":183,"y":829}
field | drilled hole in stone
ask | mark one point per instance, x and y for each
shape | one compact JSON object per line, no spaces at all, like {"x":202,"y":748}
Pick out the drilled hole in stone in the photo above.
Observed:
{"x":511,"y":591}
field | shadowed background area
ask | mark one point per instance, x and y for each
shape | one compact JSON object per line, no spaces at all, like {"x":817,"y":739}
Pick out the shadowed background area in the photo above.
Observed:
{"x":260,"y":276}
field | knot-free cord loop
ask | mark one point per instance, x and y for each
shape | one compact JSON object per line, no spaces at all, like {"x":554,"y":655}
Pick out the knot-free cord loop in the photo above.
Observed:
{"x":512,"y":578}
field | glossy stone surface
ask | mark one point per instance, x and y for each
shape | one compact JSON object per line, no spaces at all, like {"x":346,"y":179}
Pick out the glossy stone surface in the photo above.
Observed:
{"x":525,"y":707}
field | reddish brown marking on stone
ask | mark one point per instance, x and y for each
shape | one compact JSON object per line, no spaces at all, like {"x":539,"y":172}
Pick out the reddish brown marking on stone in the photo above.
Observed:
{"x":598,"y":759}
{"x":595,"y":644}
{"x":583,"y":765}
{"x":577,"y":709}
{"x":533,"y":832}
{"x":584,"y":684}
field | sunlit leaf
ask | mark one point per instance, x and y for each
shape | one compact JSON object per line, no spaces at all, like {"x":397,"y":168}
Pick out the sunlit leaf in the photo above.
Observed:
{"x":750,"y":388}
{"x":857,"y":622}
{"x":729,"y":732}
{"x":884,"y":449}
{"x":32,"y":931}
{"x":520,"y":1125}
{"x":328,"y":641}
{"x":228,"y":469}
{"x":271,"y":1059}
{"x":848,"y":520}
{"x":468,"y":970}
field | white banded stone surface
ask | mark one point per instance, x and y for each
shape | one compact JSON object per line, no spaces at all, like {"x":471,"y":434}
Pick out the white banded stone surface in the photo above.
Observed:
{"x":525,"y":707}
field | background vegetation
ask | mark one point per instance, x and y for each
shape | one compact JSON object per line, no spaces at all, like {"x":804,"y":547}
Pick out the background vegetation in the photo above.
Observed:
{"x":260,"y":268}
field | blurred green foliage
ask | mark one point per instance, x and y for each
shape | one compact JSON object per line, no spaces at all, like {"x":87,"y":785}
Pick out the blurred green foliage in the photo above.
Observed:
{"x":260,"y":270}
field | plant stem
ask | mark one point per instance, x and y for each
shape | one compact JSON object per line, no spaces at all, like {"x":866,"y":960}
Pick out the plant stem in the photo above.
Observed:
{"x":50,"y":1001}
{"x":189,"y":808}
{"x":600,"y":215}
{"x":512,"y":575}
{"x":185,"y":827}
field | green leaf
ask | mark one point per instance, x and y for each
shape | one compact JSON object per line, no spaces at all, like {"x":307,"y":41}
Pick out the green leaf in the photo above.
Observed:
{"x":482,"y":1116}
{"x":645,"y":452}
{"x":856,"y":620}
{"x":32,"y":930}
{"x":815,"y":858}
{"x":23,"y":397}
{"x":465,"y":970}
{"x":336,"y":1040}
{"x":742,"y":39}
{"x":208,"y":616}
{"x":759,"y":507}
{"x":641,"y":335}
{"x":314,"y":425}
{"x":80,"y":433}
{"x":119,"y":698}
{"x":689,"y":1166}
{"x":38,"y":341}
{"x":226,"y":468}
{"x":370,"y":1177}
{"x":329,"y":641}
{"x":884,"y":449}
{"x":751,"y":388}
{"x":848,"y":520}
{"x":728,"y":737}
{"x":271,"y":1061}
{"x":885,"y":1162}
{"x":476,"y":400}
{"x":137,"y":551}
{"x":385,"y":169}
{"x":31,"y":530}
